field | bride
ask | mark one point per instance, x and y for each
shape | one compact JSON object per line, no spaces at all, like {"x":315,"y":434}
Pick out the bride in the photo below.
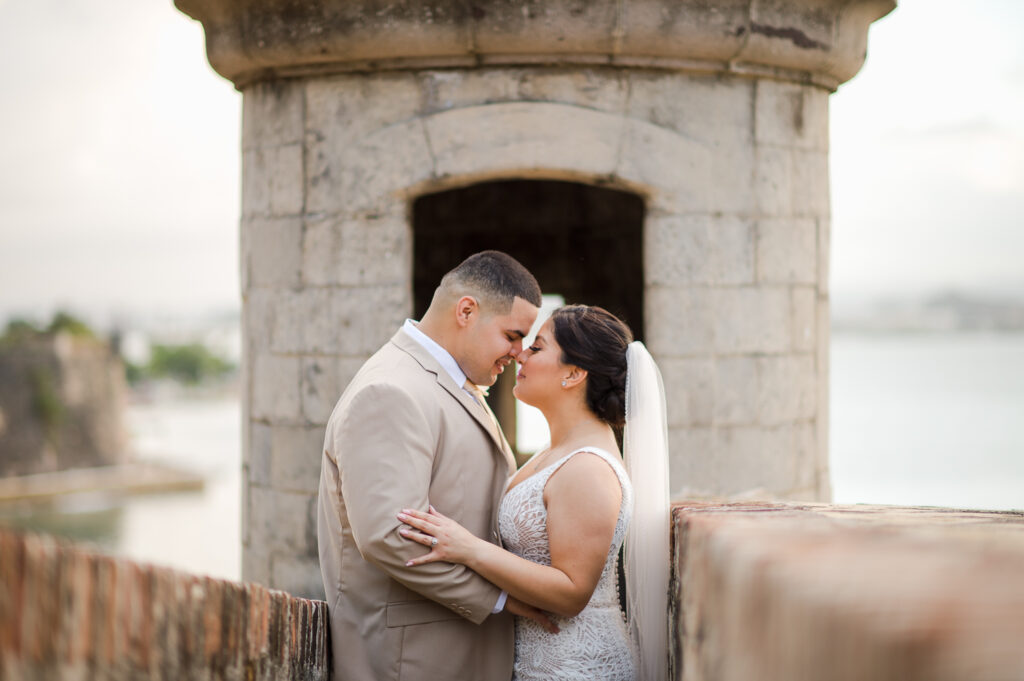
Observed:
{"x":565,"y":513}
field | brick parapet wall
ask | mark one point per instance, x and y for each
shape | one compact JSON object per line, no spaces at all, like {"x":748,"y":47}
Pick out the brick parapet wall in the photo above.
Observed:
{"x":66,"y":613}
{"x":815,"y":591}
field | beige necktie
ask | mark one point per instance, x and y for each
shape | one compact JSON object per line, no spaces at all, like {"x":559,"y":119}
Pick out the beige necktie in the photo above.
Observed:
{"x":478,"y":395}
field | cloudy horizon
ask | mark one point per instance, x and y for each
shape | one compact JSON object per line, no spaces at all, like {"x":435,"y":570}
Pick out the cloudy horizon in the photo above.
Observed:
{"x":121,"y":148}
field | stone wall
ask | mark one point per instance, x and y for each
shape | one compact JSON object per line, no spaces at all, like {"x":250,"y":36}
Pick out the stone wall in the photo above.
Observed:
{"x":69,"y":614}
{"x":61,"y":402}
{"x":778,"y":592}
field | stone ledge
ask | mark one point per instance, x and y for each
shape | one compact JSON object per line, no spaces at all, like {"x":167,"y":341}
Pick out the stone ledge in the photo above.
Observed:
{"x":812,"y":41}
{"x":69,"y":614}
{"x":813,"y":591}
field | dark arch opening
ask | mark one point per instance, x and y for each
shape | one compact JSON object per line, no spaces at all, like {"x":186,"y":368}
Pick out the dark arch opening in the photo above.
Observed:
{"x":581,"y":241}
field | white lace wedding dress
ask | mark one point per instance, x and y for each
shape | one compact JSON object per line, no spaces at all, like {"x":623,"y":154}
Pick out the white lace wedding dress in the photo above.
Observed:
{"x":595,"y":643}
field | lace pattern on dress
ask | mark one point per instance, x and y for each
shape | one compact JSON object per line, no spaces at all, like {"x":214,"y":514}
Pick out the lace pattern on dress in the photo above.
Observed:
{"x":594,"y":644}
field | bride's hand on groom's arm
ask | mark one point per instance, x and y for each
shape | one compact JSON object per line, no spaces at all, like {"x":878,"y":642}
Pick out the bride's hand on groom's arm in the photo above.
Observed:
{"x":447,"y":540}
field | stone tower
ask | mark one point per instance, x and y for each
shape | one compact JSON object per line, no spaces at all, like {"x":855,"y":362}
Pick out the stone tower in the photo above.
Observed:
{"x":667,"y":159}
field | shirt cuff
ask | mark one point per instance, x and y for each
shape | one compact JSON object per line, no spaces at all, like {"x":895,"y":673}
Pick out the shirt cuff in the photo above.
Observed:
{"x":500,"y":605}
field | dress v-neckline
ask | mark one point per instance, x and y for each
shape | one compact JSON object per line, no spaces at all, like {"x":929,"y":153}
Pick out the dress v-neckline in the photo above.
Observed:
{"x":509,"y":486}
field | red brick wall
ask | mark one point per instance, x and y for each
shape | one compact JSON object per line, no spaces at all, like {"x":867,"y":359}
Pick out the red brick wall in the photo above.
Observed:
{"x":66,"y":613}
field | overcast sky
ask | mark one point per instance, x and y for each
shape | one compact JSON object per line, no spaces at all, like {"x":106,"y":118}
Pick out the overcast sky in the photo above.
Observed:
{"x":119,"y":158}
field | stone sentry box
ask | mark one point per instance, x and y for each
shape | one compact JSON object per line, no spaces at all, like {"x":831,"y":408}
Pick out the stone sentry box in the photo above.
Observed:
{"x":666,"y":158}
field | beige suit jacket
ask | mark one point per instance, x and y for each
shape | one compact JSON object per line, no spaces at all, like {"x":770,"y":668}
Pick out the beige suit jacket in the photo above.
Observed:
{"x":403,"y":435}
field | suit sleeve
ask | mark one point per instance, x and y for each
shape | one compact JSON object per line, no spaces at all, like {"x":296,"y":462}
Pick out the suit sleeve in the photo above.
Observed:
{"x":385,"y":450}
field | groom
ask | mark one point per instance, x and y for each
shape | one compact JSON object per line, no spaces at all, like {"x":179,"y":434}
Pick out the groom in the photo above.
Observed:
{"x":412,"y":430}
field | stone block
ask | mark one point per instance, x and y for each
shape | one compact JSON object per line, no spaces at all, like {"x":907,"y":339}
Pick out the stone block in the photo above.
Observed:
{"x":273,"y":256}
{"x":298,"y":576}
{"x":272,"y":114}
{"x":342,"y":321}
{"x":810,"y":184}
{"x":677,"y":169}
{"x":787,"y":389}
{"x":714,"y":113}
{"x":455,"y":89}
{"x":296,"y":453}
{"x":736,"y":391}
{"x":790,"y":115}
{"x":755,"y":461}
{"x":679,"y":322}
{"x":259,"y":308}
{"x":773,"y":181}
{"x":283,"y":522}
{"x":804,"y":301}
{"x":256,"y":561}
{"x":324,"y":378}
{"x":260,"y":453}
{"x":524,"y":137}
{"x":363,"y":141}
{"x":272,"y":181}
{"x":698,"y":249}
{"x":689,"y":390}
{"x":710,"y":109}
{"x":787,"y":251}
{"x":824,"y":253}
{"x":691,"y":462}
{"x":749,"y":320}
{"x":357,"y":252}
{"x":275,"y":393}
{"x":597,"y":88}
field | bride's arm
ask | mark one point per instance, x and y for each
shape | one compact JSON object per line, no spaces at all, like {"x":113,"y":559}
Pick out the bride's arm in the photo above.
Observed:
{"x":582,"y":500}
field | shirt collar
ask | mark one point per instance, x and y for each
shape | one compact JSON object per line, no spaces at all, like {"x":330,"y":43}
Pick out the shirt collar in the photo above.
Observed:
{"x":443,"y":357}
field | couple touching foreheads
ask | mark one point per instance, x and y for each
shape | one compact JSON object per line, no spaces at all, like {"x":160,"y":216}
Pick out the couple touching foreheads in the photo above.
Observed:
{"x":439,"y":559}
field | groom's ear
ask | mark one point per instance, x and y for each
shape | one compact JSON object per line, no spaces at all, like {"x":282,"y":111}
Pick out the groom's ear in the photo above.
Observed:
{"x":466,"y":308}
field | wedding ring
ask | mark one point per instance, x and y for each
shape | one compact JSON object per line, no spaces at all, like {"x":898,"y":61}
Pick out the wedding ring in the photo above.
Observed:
{"x":433,"y":542}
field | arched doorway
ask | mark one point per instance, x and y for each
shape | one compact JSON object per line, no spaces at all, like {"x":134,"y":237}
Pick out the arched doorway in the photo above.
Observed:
{"x":582,"y":242}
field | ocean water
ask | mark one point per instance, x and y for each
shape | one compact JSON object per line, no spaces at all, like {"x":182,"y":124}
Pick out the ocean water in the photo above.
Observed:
{"x":929,"y":419}
{"x":915,"y":420}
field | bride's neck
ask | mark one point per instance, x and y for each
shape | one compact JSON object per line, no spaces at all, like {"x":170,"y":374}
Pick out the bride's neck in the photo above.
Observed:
{"x":570,"y":422}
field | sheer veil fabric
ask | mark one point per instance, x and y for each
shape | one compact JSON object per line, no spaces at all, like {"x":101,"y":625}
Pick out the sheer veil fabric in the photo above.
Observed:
{"x":645,"y":451}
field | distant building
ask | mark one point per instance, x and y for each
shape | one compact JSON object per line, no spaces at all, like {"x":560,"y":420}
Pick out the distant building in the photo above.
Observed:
{"x":61,"y":402}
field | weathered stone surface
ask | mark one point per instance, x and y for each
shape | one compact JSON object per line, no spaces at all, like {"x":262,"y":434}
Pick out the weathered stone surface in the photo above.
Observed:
{"x":297,"y":576}
{"x":323,"y":380}
{"x":296,"y":454}
{"x":786,"y":388}
{"x":356,"y":252}
{"x":787,"y":251}
{"x":285,"y":521}
{"x":690,"y":390}
{"x":67,"y":613}
{"x":804,"y":304}
{"x":272,"y":181}
{"x":680,"y":322}
{"x":751,"y":320}
{"x":271,"y":252}
{"x":521,"y":138}
{"x":692,"y":250}
{"x":783,"y":591}
{"x":807,"y":41}
{"x":272,"y":114}
{"x":342,"y":321}
{"x":790,"y":115}
{"x":276,"y":396}
{"x":736,"y":388}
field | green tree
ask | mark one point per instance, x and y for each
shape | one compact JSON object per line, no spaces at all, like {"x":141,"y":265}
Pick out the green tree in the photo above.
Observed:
{"x":189,"y":363}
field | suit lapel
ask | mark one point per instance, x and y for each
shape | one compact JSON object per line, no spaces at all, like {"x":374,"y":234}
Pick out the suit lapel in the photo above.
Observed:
{"x":476,"y":411}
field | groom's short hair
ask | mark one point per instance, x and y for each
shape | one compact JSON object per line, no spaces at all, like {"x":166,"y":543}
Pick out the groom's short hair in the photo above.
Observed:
{"x":496,"y":278}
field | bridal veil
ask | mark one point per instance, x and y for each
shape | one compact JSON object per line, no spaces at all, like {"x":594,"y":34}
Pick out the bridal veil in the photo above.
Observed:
{"x":645,"y":451}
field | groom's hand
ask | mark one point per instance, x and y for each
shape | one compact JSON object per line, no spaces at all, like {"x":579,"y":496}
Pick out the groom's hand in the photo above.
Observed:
{"x":517,"y":607}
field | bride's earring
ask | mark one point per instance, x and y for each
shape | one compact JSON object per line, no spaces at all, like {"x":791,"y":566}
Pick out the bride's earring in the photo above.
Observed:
{"x":563,"y":384}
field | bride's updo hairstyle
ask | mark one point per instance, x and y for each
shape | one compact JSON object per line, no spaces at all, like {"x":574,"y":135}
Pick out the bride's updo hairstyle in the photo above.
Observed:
{"x":594,"y":339}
